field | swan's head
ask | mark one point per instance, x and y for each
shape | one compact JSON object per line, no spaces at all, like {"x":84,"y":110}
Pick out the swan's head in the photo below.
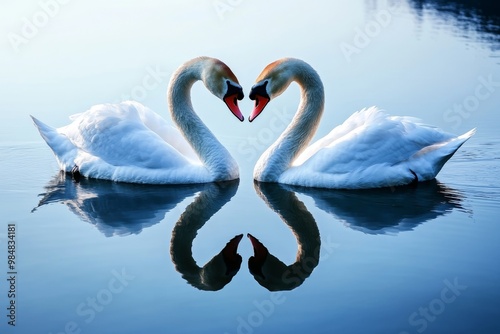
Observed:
{"x":271,"y":82}
{"x":221,"y":81}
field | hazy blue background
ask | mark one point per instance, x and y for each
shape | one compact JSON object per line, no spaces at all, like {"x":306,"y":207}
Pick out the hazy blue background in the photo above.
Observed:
{"x":386,"y":256}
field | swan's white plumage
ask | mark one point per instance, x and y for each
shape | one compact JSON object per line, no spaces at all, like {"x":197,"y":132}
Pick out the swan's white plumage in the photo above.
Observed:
{"x":124,"y":142}
{"x":372,"y":149}
{"x":130,"y":143}
{"x":369,"y":150}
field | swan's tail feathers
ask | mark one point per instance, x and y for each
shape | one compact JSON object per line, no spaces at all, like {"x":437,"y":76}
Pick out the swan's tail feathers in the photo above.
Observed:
{"x":438,"y":154}
{"x":466,"y":135}
{"x":45,"y":130}
{"x":64,"y":150}
{"x":454,"y":144}
{"x":53,"y":138}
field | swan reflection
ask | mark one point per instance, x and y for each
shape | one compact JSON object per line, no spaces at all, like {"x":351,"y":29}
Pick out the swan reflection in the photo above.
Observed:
{"x":123,"y":209}
{"x":219,"y":271}
{"x":116,"y":208}
{"x":268,"y":270}
{"x":386,"y":210}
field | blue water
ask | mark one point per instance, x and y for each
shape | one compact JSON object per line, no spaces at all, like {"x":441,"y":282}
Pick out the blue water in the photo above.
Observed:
{"x":102,"y":257}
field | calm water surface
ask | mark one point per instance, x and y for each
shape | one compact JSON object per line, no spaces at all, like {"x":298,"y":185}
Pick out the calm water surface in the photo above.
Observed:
{"x":102,"y":257}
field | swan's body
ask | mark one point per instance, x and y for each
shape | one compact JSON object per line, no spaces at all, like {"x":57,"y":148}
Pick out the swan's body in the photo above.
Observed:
{"x":130,"y":143}
{"x":370,"y":149}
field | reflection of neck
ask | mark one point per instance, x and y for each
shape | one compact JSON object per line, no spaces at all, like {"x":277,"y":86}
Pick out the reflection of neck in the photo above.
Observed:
{"x":210,"y":151}
{"x":292,"y":142}
{"x":295,"y":214}
{"x":206,"y":204}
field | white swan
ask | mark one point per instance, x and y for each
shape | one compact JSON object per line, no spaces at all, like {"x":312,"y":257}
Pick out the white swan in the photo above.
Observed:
{"x":130,"y":143}
{"x":370,"y":149}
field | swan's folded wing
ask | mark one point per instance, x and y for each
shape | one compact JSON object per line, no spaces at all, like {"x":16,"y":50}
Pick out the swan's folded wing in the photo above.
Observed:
{"x":165,"y":130}
{"x":371,"y":115}
{"x":116,"y":135}
{"x":379,"y":140}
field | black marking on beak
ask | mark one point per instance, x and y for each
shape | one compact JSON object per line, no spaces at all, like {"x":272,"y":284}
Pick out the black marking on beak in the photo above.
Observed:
{"x":234,"y":90}
{"x":260,"y":90}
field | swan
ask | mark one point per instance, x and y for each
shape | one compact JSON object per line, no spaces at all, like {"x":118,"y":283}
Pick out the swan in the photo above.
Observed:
{"x":128,"y":142}
{"x":369,"y":150}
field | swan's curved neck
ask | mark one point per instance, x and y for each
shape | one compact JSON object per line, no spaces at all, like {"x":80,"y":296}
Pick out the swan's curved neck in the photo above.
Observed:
{"x":292,"y":142}
{"x":212,"y":154}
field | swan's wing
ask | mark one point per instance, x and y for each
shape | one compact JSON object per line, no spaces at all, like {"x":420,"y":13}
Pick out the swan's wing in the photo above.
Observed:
{"x":166,"y":131}
{"x":370,"y":144}
{"x":117,"y":135}
{"x":353,"y":122}
{"x":357,"y":122}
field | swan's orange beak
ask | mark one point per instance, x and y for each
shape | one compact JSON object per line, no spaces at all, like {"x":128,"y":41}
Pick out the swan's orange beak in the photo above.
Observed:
{"x":232,"y":103}
{"x":260,"y":103}
{"x":261,"y":96}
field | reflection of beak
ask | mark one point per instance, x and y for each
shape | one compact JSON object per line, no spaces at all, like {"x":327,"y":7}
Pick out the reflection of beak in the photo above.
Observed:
{"x":260,"y":103}
{"x":260,"y":251}
{"x":231,"y":256}
{"x":232,"y":246}
{"x":256,"y":261}
{"x":232,"y":103}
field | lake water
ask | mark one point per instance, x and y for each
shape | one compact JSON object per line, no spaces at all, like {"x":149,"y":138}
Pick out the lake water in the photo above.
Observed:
{"x":101,"y":257}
